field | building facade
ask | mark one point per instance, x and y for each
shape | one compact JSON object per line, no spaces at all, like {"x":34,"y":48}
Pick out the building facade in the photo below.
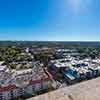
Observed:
{"x":16,"y":83}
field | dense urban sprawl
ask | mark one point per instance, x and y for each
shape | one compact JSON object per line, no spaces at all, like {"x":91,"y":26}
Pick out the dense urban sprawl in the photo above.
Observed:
{"x":30,"y":69}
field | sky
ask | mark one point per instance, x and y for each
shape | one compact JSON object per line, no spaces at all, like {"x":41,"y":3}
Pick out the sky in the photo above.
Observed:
{"x":50,"y":20}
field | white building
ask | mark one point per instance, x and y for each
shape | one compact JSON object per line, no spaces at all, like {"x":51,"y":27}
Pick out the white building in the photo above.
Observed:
{"x":22,"y":82}
{"x":73,"y":69}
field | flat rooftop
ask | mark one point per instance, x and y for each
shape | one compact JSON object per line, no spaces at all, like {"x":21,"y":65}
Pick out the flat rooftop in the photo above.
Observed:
{"x":88,"y":90}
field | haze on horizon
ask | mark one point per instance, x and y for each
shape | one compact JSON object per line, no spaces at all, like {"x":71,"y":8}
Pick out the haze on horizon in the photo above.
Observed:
{"x":52,"y":20}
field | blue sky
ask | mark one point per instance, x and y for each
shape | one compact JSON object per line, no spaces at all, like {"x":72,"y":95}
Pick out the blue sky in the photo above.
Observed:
{"x":52,"y":20}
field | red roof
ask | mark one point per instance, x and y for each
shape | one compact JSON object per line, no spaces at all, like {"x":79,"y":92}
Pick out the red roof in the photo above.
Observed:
{"x":38,"y":81}
{"x":12,"y":87}
{"x":7,"y":88}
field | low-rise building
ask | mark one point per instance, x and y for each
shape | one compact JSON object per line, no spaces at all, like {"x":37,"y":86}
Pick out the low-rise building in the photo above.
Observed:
{"x":75,"y":70}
